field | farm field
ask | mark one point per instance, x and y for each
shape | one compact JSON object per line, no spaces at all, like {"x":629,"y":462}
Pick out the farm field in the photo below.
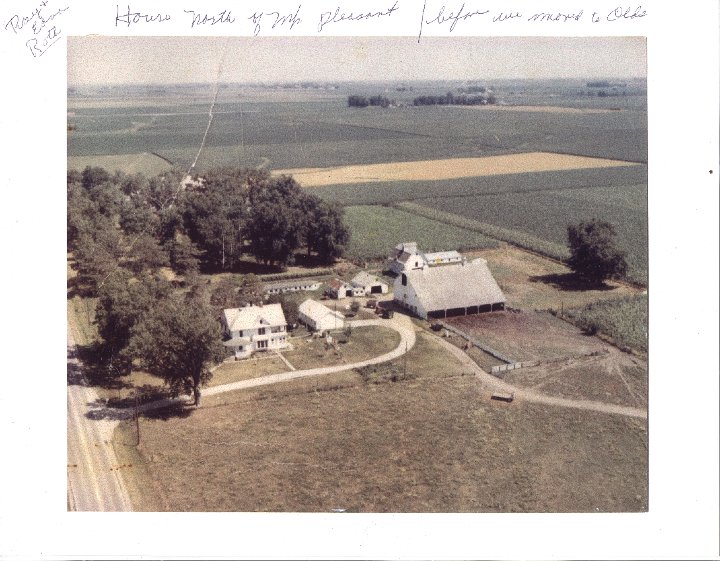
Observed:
{"x":293,"y":129}
{"x":375,"y":230}
{"x":434,"y":170}
{"x":397,"y":191}
{"x":145,"y":163}
{"x":430,"y":442}
{"x":624,"y":320}
{"x":546,"y":215}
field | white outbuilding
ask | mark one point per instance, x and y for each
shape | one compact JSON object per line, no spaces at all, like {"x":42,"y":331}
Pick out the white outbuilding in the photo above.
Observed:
{"x":320,"y":318}
{"x":369,"y":284}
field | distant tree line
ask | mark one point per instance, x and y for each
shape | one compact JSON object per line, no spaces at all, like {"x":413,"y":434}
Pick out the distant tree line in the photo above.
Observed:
{"x":487,"y":98}
{"x":373,"y":101}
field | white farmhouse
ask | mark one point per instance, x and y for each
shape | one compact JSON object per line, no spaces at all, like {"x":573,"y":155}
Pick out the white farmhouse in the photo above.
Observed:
{"x":255,"y":328}
{"x":451,"y":290}
{"x":320,"y":318}
{"x":369,"y":284}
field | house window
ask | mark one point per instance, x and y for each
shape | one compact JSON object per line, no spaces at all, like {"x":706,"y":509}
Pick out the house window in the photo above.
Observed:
{"x":261,"y":331}
{"x":262,"y":344}
{"x":403,"y":279}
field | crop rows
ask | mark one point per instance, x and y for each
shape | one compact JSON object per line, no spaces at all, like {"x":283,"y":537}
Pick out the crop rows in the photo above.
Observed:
{"x":546,"y":215}
{"x":625,"y":320}
{"x":515,"y":237}
{"x":376,"y":230}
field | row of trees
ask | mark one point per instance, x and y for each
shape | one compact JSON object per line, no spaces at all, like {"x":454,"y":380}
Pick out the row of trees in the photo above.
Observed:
{"x":125,"y":231}
{"x":486,"y":98}
{"x":373,"y":101}
{"x":145,"y":224}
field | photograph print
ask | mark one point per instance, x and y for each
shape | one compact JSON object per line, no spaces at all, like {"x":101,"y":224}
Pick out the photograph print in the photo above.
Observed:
{"x":357,"y":275}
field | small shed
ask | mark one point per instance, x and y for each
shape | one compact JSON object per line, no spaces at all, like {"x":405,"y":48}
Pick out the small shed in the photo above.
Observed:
{"x":369,"y":284}
{"x":340,"y":289}
{"x":318,"y":317}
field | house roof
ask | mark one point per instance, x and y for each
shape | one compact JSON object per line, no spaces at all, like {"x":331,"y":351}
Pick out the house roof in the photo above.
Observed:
{"x":408,"y":248}
{"x":365,"y":279}
{"x":455,"y":286}
{"x":316,"y":311}
{"x":337,"y":284}
{"x":251,"y":317}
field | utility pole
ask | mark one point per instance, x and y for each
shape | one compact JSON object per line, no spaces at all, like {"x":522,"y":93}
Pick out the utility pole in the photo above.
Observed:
{"x":137,"y":419}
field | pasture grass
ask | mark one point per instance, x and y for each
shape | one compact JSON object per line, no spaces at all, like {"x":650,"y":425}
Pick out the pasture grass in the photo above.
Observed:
{"x":430,"y":442}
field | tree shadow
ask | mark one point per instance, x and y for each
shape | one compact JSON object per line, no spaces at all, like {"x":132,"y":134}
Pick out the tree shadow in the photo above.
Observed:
{"x":571,"y":282}
{"x":100,"y":366}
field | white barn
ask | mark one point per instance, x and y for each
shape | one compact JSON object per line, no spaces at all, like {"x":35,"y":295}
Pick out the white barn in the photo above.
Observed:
{"x":255,"y":328}
{"x":318,"y":317}
{"x":369,"y":284}
{"x":452,"y":290}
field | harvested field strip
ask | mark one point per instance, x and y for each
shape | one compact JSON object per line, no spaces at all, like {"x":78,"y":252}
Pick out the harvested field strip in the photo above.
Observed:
{"x":515,"y":237}
{"x":431,"y":170}
{"x":584,"y":181}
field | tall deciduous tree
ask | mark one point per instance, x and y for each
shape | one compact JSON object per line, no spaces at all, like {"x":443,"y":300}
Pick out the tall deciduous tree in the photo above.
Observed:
{"x":594,"y":254}
{"x":179,"y":341}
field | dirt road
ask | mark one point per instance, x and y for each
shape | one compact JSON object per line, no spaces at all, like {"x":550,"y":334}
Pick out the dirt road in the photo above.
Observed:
{"x":94,"y":479}
{"x":494,"y":383}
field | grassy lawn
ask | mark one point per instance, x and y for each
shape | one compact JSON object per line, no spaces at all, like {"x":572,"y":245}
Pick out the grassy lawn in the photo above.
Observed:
{"x":430,"y":442}
{"x":532,"y":282}
{"x":364,"y":343}
{"x":255,"y":367}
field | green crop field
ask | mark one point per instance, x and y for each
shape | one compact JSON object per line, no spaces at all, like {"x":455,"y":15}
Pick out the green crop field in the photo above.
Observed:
{"x":303,"y":129}
{"x":375,"y":230}
{"x":546,"y":215}
{"x":625,"y":320}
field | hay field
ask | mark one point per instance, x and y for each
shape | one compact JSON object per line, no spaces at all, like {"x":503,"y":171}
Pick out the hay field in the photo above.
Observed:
{"x":433,"y":170}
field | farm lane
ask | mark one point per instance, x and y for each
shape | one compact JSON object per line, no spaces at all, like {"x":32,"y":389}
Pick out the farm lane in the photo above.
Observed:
{"x":94,"y":482}
{"x":400,"y":323}
{"x":496,"y":384}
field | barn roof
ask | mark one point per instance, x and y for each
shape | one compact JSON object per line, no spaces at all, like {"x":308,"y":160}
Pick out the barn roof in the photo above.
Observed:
{"x":315,"y":310}
{"x":442,"y":255}
{"x":290,"y":283}
{"x":251,"y":317}
{"x":366,"y":279}
{"x":455,"y":286}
